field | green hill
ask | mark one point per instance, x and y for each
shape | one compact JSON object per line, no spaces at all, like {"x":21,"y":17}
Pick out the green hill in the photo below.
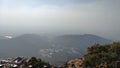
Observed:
{"x":102,"y":55}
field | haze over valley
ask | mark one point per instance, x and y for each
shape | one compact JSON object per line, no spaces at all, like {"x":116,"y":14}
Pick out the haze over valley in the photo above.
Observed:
{"x":56,"y":49}
{"x":58,"y":30}
{"x":51,"y":17}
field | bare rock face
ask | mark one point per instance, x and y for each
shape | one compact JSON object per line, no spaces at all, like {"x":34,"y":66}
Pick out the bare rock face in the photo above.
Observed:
{"x":74,"y":63}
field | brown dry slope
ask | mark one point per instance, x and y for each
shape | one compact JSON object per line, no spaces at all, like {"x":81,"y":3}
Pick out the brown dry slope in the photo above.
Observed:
{"x":74,"y":63}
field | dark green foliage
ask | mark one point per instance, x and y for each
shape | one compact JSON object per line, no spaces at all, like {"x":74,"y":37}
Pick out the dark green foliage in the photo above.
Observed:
{"x":105,"y":55}
{"x":38,"y":63}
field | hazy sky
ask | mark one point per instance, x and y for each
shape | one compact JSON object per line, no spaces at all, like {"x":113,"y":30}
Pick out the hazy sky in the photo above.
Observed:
{"x":99,"y":17}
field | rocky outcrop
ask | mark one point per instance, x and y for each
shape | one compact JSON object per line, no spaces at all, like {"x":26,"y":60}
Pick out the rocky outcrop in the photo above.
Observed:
{"x":74,"y":63}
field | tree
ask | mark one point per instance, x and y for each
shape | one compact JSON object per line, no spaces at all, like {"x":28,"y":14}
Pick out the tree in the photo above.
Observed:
{"x":102,"y":55}
{"x":38,"y":63}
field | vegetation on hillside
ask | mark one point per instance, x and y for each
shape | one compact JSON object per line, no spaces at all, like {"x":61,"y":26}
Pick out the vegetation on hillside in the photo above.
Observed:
{"x":99,"y":56}
{"x":37,"y":63}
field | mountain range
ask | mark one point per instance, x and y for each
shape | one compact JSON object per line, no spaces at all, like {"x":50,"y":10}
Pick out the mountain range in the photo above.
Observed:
{"x":55,"y":50}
